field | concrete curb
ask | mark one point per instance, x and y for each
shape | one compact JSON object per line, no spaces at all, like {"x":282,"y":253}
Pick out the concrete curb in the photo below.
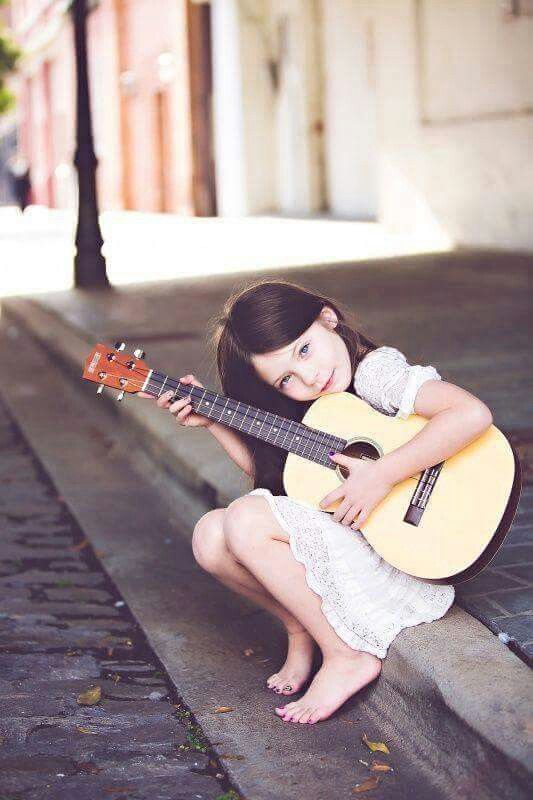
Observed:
{"x":443,"y":679}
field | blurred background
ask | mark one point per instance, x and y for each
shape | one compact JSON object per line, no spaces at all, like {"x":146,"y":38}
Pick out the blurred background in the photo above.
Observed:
{"x":251,"y":134}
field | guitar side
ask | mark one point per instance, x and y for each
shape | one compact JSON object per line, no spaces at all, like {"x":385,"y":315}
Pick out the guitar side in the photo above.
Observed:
{"x":468,"y":513}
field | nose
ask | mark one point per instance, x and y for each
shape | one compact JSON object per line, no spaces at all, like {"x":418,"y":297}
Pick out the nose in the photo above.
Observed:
{"x":312,"y":378}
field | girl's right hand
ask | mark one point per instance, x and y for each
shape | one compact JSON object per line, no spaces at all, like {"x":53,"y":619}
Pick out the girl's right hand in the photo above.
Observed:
{"x":181,"y":408}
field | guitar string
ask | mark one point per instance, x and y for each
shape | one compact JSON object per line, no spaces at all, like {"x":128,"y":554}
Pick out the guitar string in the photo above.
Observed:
{"x":309,"y":440}
{"x":331,"y":441}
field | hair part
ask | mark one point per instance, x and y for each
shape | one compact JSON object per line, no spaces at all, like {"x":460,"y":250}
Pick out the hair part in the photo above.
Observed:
{"x":262,"y":317}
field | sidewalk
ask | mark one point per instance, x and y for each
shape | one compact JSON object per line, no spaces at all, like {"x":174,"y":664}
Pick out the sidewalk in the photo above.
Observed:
{"x":471,"y":313}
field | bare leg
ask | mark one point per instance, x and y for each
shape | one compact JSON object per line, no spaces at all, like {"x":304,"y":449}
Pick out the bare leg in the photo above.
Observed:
{"x":211,"y":552}
{"x":258,"y":541}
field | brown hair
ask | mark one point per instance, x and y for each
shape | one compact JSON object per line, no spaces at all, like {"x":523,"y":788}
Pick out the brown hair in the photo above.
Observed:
{"x":267,"y":315}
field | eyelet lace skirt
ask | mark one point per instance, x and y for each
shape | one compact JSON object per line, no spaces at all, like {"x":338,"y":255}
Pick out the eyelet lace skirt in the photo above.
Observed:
{"x":365,"y":600}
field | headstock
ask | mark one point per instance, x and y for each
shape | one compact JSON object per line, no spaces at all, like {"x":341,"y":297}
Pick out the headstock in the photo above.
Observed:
{"x":112,"y":367}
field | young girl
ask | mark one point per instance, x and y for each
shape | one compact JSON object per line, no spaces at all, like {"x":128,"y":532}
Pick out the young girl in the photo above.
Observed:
{"x":280,"y":346}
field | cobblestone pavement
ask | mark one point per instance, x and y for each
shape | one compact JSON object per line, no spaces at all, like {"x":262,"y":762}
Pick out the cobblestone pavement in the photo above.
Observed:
{"x":63,"y":630}
{"x":502,"y":595}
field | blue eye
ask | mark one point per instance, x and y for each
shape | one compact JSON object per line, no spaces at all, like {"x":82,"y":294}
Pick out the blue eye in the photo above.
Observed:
{"x":302,"y":348}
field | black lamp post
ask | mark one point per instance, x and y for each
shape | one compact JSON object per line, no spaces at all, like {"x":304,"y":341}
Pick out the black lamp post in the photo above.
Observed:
{"x":89,"y":263}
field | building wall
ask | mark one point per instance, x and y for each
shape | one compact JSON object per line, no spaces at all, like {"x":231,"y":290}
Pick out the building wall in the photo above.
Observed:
{"x":267,"y":106}
{"x":454,"y":98}
{"x":140,"y":102}
{"x":417,"y":113}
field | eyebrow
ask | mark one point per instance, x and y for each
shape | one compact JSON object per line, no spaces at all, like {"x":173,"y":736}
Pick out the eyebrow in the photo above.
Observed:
{"x":292,"y":354}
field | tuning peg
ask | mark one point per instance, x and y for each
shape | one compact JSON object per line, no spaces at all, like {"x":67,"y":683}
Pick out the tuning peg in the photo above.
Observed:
{"x":100,"y":388}
{"x":120,"y":346}
{"x":139,"y":353}
{"x":120,"y":395}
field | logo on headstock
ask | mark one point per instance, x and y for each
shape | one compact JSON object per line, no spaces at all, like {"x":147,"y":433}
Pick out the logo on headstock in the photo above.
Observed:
{"x":94,"y":362}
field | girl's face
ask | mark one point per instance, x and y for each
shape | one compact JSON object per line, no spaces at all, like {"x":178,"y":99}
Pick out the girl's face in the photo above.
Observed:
{"x":301,"y":369}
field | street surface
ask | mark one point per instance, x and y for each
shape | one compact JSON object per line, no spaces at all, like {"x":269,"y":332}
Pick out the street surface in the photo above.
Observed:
{"x":64,"y":629}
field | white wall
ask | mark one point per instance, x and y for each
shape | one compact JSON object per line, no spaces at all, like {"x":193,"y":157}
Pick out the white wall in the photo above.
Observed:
{"x":426,"y":105}
{"x":267,"y":145}
{"x":455,"y":93}
{"x":350,"y":108}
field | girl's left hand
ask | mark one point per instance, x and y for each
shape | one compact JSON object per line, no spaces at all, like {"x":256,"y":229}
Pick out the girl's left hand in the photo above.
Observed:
{"x":360,"y":493}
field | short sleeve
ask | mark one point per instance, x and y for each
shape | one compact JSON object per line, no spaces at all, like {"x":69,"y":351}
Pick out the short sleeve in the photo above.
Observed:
{"x":386,"y":381}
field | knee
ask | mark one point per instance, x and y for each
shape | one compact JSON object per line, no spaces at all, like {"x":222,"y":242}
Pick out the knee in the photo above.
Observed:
{"x":208,"y":544}
{"x":240,"y":525}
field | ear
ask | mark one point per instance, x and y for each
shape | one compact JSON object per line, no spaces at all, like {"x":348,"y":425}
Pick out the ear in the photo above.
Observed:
{"x":329,"y":317}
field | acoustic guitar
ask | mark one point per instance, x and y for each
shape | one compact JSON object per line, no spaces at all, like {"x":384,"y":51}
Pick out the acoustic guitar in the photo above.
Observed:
{"x":443,"y":524}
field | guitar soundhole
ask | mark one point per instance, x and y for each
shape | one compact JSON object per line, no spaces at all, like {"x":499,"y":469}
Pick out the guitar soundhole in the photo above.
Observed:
{"x":364,"y":450}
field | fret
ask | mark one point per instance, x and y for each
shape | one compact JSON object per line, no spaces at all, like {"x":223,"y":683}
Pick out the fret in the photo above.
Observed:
{"x":283,"y":432}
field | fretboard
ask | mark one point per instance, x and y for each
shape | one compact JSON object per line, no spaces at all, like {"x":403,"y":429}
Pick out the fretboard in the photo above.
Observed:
{"x":282,"y":432}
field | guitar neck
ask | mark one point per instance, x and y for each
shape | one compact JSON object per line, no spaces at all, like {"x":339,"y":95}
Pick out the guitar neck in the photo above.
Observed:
{"x":282,"y":432}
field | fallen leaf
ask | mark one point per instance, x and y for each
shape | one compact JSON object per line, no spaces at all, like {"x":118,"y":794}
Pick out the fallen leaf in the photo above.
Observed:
{"x":381,"y":746}
{"x":84,"y":730}
{"x":380,"y":766}
{"x":365,"y":786}
{"x":231,"y":757}
{"x":223,"y":709}
{"x":90,"y":696}
{"x":248,"y":652}
{"x":81,"y":545}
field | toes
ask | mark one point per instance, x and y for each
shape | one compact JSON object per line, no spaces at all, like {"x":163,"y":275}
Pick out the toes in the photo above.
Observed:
{"x":298,"y":716}
{"x":289,"y":689}
{"x":315,"y":716}
{"x":271,"y":682}
{"x":305,"y":716}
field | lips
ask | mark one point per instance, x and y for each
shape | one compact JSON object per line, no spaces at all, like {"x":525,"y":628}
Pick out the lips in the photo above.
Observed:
{"x":328,"y":382}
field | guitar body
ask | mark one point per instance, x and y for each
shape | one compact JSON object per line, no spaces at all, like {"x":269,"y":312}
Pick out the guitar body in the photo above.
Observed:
{"x":443,"y":524}
{"x":468,"y":513}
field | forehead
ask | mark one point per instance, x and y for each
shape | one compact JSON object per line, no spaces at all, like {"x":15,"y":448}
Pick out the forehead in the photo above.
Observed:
{"x":270,"y":365}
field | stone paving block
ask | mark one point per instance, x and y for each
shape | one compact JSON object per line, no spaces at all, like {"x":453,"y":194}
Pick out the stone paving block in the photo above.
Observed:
{"x":514,"y":554}
{"x":487,"y":581}
{"x":515,"y":601}
{"x":482,"y":607}
{"x":520,"y":535}
{"x":160,"y":788}
{"x":78,"y":593}
{"x":68,"y":565}
{"x":97,"y":624}
{"x":18,"y":551}
{"x":51,"y":578}
{"x":54,"y":665}
{"x":519,"y":626}
{"x":16,"y":605}
{"x":523,"y":574}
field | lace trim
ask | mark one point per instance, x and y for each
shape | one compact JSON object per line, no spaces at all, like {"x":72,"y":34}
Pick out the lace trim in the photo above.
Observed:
{"x":366,"y":600}
{"x":386,"y":381}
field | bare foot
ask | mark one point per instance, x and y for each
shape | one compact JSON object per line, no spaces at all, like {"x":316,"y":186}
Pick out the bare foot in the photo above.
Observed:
{"x":339,"y":678}
{"x":297,"y":666}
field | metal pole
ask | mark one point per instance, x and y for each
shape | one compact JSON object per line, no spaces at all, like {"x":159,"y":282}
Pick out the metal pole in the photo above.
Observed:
{"x":89,"y":263}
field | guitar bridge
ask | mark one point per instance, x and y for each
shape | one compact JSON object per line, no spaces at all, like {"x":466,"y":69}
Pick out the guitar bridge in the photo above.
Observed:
{"x":422,"y":494}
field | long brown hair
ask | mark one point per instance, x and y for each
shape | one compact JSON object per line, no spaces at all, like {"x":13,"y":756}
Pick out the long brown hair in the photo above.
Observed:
{"x":263,"y":316}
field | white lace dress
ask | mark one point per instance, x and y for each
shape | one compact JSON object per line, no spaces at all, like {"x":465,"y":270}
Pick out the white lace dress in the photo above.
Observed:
{"x":366,"y":600}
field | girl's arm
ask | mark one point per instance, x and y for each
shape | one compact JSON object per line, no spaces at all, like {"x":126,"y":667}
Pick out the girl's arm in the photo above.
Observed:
{"x":234,"y":447}
{"x":455,"y":417}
